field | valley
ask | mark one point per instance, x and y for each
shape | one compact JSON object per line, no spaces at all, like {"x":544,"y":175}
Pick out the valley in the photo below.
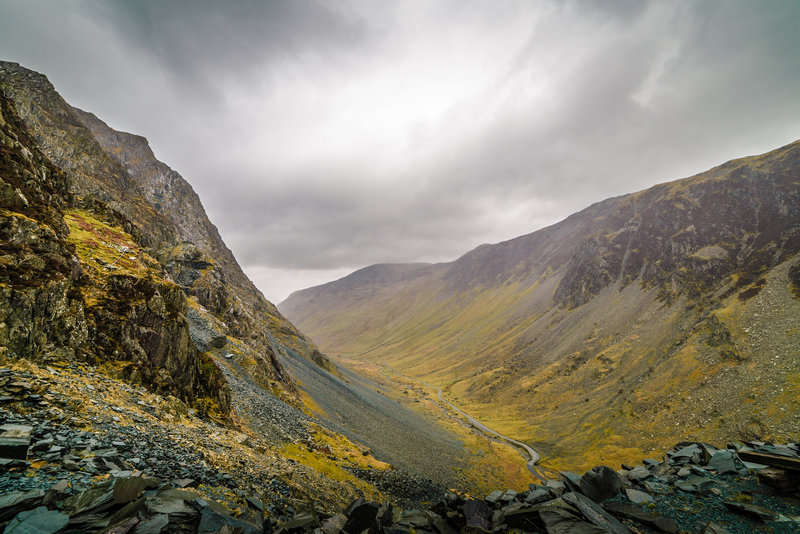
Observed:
{"x":146,"y":385}
{"x":606,"y":332}
{"x":532,"y":456}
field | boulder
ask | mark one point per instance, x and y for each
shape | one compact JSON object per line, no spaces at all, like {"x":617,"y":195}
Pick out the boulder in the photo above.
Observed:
{"x":494,"y":496}
{"x":600,"y":483}
{"x":476,"y":513}
{"x":723,"y":461}
{"x":206,"y":332}
{"x":360,"y":515}
{"x":14,"y":441}
{"x":638,"y":497}
{"x":638,"y":473}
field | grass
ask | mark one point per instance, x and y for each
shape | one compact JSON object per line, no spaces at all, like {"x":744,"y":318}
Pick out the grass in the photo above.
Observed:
{"x":330,"y":453}
{"x":584,"y":387}
{"x":105,"y":250}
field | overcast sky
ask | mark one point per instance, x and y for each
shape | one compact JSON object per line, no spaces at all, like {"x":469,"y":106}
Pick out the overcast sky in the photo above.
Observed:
{"x":324,"y":136}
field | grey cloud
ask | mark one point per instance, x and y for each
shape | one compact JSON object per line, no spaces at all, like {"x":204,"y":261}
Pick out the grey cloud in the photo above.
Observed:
{"x":630,"y":93}
{"x":208,"y":40}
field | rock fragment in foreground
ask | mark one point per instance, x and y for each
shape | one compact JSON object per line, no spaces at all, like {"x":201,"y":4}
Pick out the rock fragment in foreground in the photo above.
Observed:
{"x":692,"y":476}
{"x":14,"y":441}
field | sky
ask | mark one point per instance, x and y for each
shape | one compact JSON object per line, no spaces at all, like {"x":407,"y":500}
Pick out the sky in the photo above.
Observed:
{"x":324,"y":136}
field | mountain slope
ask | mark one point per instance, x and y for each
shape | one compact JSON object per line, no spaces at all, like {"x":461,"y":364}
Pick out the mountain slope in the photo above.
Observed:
{"x":614,"y":322}
{"x":108,"y":262}
{"x":55,"y":303}
{"x":163,"y":214}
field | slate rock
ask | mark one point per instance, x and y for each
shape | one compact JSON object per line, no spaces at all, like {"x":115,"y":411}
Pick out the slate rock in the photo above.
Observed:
{"x":186,"y":483}
{"x":42,"y":445}
{"x":557,"y":488}
{"x":621,"y":509}
{"x":653,"y":486}
{"x":688,"y":454}
{"x":638,"y":497}
{"x":753,"y":510}
{"x":334,"y":524}
{"x":154,"y":525}
{"x":572,"y":481}
{"x":638,"y":473}
{"x":255,"y":503}
{"x":558,"y":521}
{"x":723,"y":461}
{"x":494,"y":496}
{"x":14,"y":441}
{"x":695,"y":484}
{"x":600,"y":483}
{"x":509,"y":495}
{"x":37,"y":521}
{"x":594,"y":513}
{"x":56,"y":493}
{"x":716,"y":528}
{"x":538,"y":496}
{"x":385,"y":515}
{"x":353,"y":505}
{"x":476,"y":512}
{"x":523,"y":518}
{"x":123,"y":528}
{"x":13,"y":503}
{"x":361,"y":516}
{"x":8,"y":463}
{"x":213,"y":520}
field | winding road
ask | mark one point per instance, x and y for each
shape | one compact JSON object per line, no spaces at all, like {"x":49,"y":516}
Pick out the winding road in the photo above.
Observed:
{"x":534,"y":456}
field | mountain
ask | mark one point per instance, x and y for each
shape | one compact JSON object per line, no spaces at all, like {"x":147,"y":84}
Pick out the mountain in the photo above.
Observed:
{"x":598,"y":337}
{"x":118,"y":172}
{"x":111,"y":273}
{"x":147,"y":386}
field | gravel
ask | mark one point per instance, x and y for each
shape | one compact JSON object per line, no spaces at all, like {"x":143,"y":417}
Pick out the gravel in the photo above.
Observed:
{"x":394,"y":433}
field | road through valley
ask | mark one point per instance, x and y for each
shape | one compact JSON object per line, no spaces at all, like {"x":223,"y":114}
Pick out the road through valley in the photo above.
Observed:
{"x":534,"y":456}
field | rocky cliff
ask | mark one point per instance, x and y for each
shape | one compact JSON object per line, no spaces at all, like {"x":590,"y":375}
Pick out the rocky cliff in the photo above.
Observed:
{"x":617,"y":321}
{"x":59,"y":303}
{"x":114,"y":177}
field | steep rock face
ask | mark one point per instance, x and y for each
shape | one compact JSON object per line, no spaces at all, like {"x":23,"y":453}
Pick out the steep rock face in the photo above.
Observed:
{"x":52,"y":307}
{"x":90,"y":171}
{"x":610,"y":323}
{"x":116,"y":172}
{"x":202,"y":263}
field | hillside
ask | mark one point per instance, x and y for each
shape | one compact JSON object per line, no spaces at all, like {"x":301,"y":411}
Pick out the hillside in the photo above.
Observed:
{"x":597,"y":338}
{"x":118,"y":172}
{"x":147,"y":386}
{"x":111,"y":266}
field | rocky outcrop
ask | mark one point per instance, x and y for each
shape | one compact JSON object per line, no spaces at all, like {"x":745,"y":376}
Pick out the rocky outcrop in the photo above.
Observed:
{"x":201,"y":262}
{"x":687,"y":237}
{"x":52,"y":307}
{"x":89,"y":170}
{"x":115,"y":178}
